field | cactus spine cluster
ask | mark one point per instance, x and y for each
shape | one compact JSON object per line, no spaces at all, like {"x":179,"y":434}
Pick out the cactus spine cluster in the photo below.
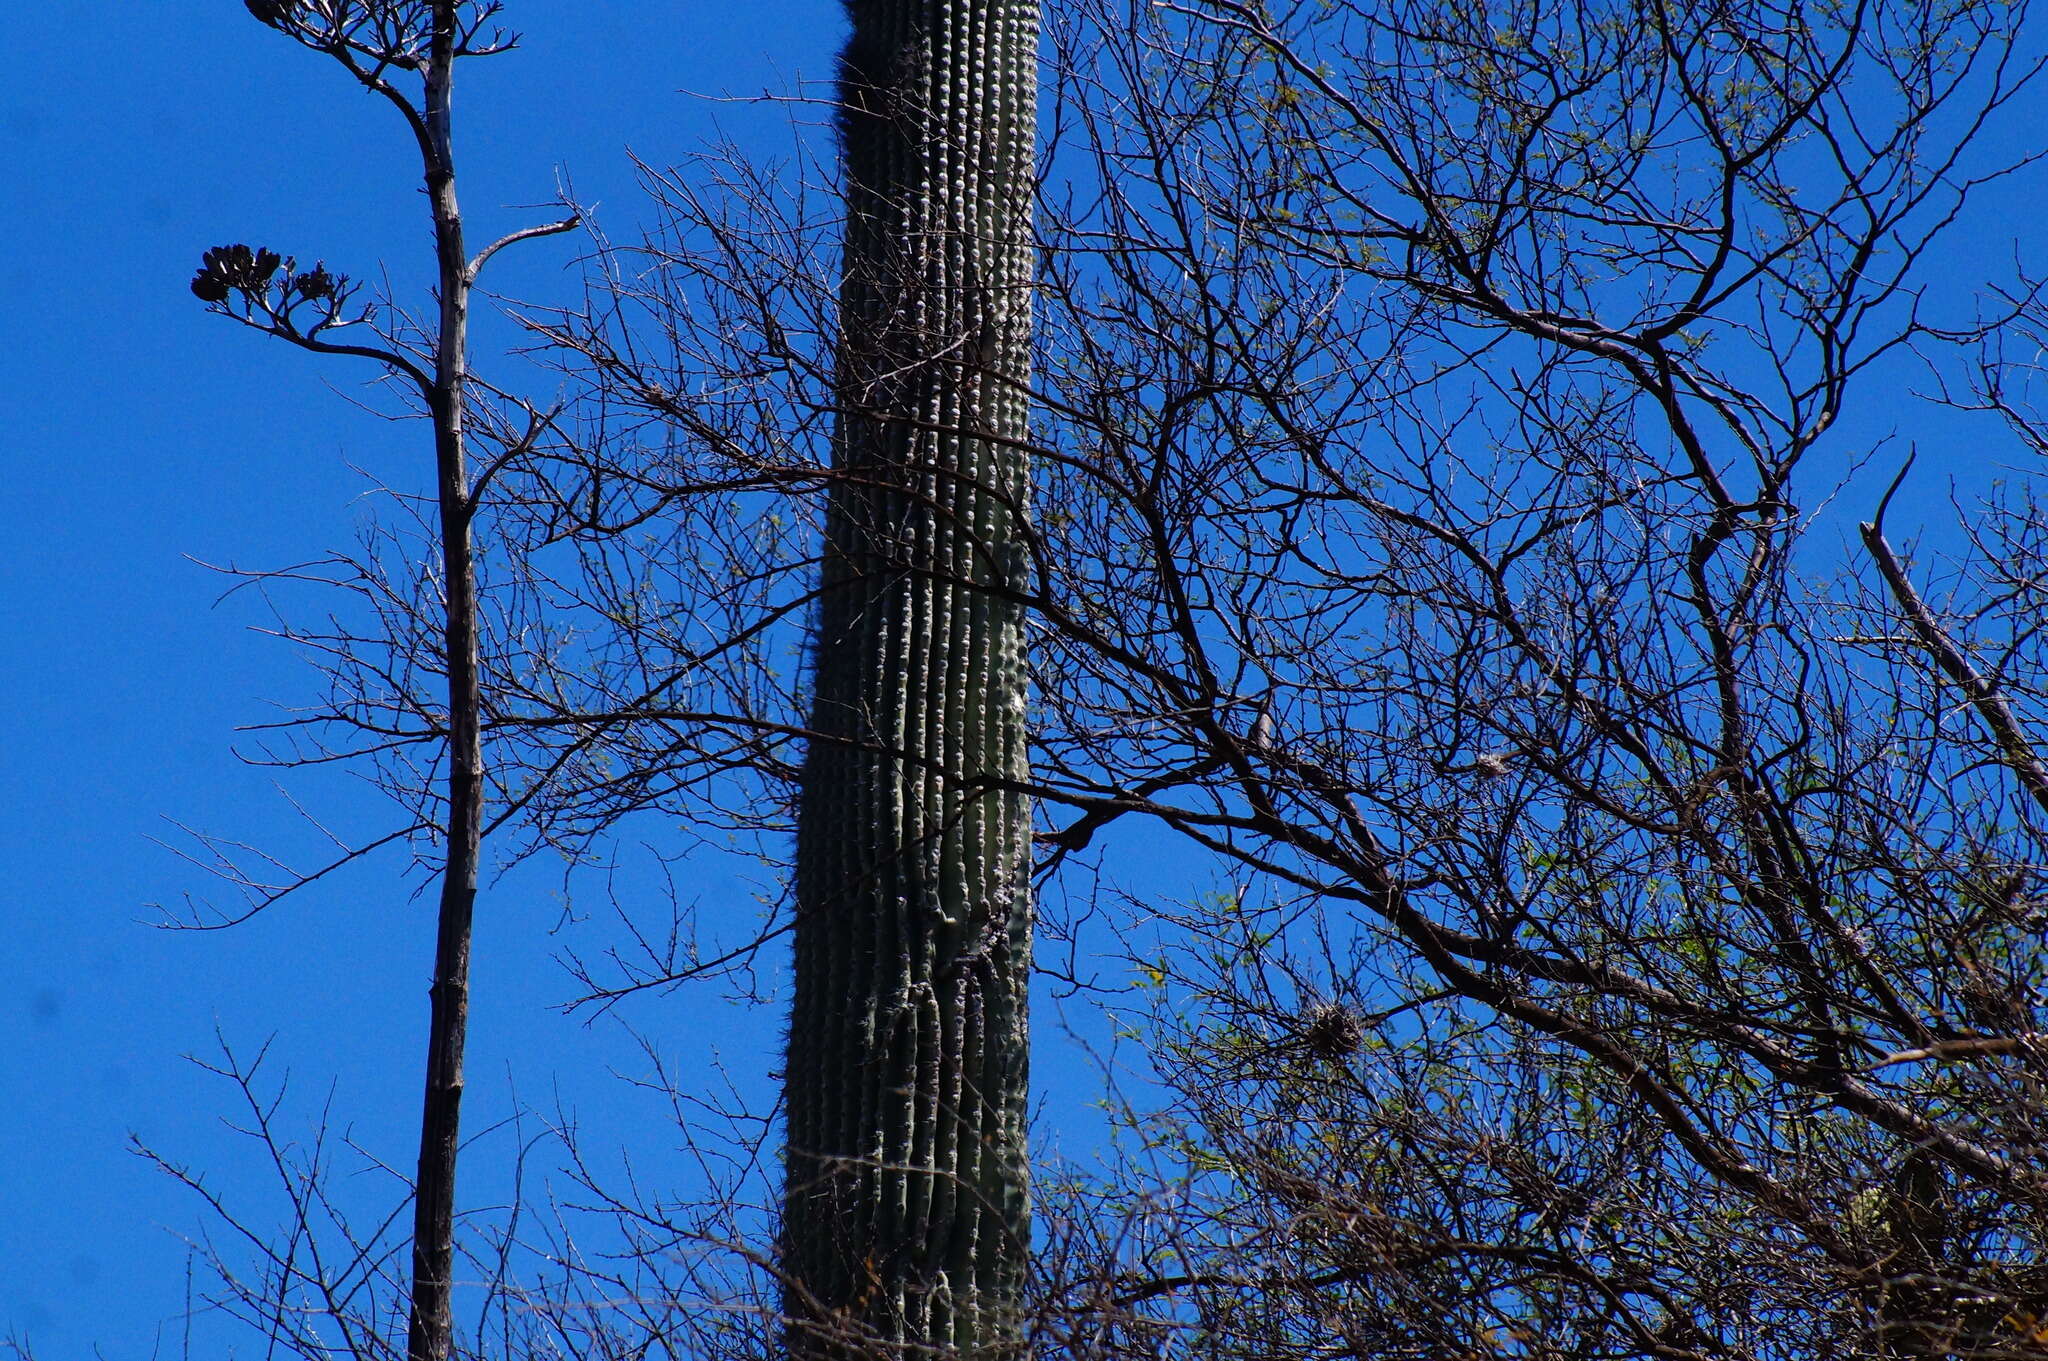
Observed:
{"x":907,"y":1208}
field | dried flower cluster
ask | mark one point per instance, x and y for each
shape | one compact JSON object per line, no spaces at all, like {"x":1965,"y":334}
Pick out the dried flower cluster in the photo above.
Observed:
{"x":225,"y":268}
{"x":228,"y":269}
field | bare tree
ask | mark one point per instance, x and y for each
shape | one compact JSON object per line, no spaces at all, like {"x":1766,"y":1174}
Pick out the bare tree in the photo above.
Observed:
{"x":1634,"y":949}
{"x":405,"y":51}
{"x":1642,"y":954}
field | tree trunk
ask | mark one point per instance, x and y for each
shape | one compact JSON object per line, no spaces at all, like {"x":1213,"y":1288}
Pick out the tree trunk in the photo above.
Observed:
{"x":430,"y":1328}
{"x":907,"y":1211}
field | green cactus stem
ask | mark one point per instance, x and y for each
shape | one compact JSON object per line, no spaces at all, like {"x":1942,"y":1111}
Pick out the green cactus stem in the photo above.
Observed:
{"x":907,"y":1208}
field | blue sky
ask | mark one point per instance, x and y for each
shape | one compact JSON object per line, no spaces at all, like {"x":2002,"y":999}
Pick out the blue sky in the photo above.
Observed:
{"x":141,"y":434}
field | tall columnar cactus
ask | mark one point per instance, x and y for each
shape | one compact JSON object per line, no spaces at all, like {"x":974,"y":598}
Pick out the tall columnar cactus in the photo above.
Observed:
{"x":907,"y":1203}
